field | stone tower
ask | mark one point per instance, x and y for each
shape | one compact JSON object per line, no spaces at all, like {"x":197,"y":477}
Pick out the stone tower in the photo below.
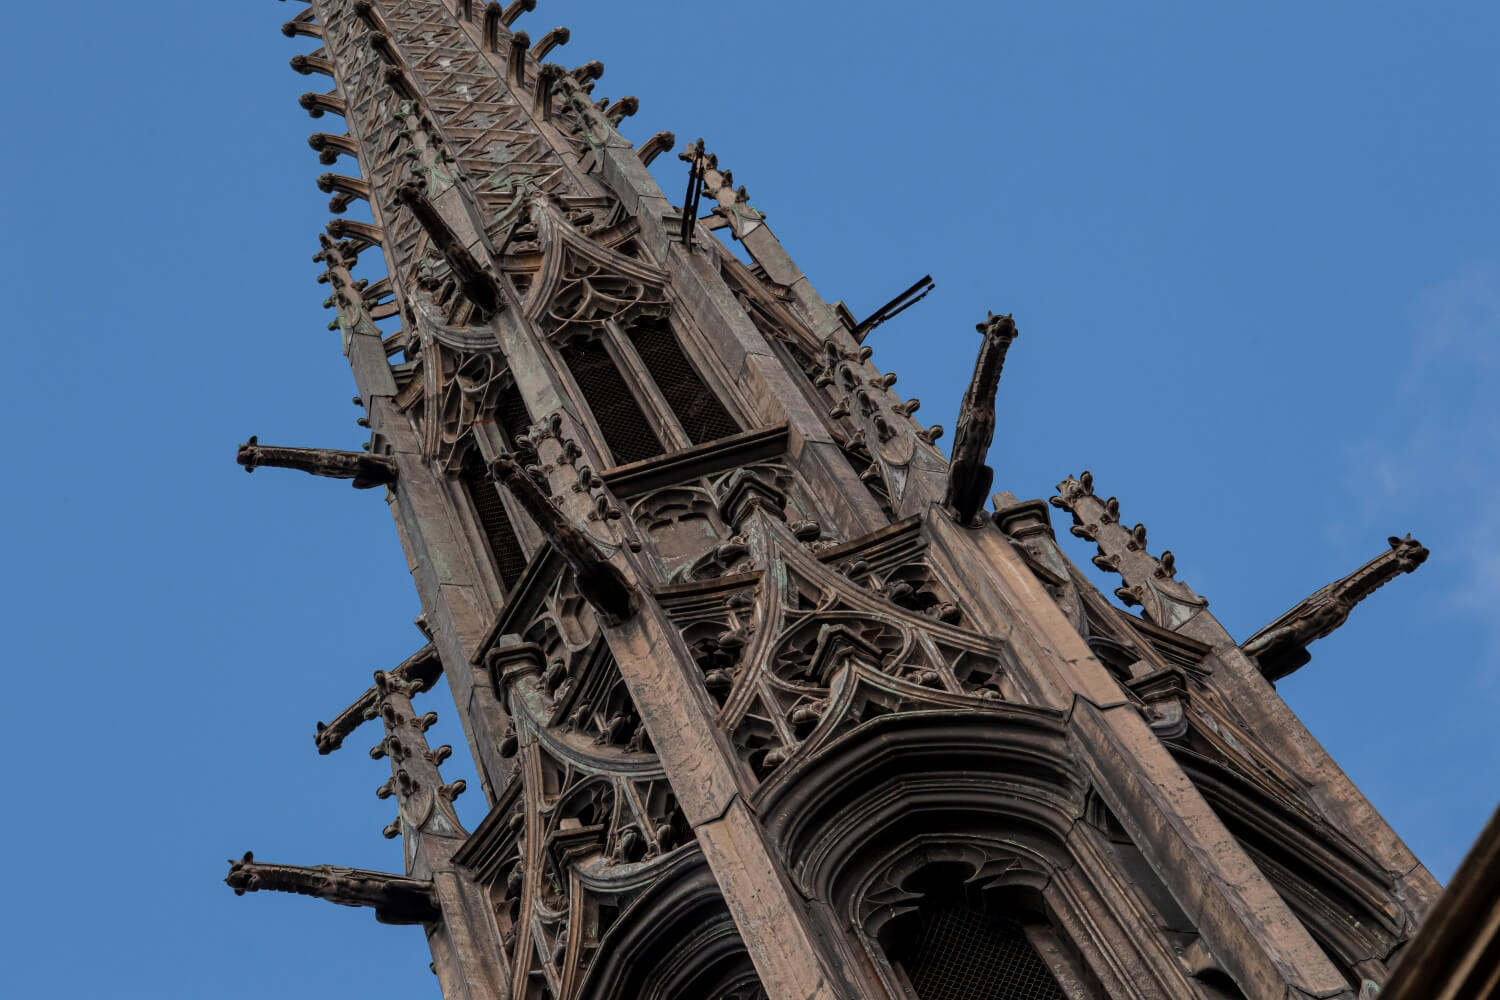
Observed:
{"x":764,"y":700}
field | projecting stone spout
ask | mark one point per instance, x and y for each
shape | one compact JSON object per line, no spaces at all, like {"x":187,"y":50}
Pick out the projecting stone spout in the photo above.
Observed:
{"x":598,"y":581}
{"x":1281,"y":647}
{"x":366,"y":470}
{"x":479,"y":286}
{"x":395,"y":899}
{"x":969,"y":478}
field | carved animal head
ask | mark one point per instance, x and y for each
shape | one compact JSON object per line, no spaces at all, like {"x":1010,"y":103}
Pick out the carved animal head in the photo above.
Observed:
{"x":1409,"y":552}
{"x":242,"y":877}
{"x":999,"y":327}
{"x":248,"y":454}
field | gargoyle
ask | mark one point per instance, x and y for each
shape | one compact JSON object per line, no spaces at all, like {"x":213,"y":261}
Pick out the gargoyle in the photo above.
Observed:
{"x":394,"y":898}
{"x":1281,"y":647}
{"x":479,"y":286}
{"x":366,"y":470}
{"x":423,"y":667}
{"x":599,"y":582}
{"x":968,"y":477}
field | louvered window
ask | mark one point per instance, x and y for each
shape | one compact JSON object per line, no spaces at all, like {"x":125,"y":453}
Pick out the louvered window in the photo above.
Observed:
{"x":960,"y":953}
{"x":697,"y":409}
{"x":619,"y":416}
{"x":510,"y":558}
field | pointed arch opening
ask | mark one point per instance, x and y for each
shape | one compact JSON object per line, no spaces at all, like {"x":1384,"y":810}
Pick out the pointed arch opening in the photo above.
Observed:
{"x":935,"y":838}
{"x":621,"y":420}
{"x":493,"y":519}
{"x":959,"y":945}
{"x":674,"y":941}
{"x":701,"y":414}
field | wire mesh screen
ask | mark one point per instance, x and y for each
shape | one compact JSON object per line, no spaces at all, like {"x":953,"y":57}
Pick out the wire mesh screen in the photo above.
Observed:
{"x":513,"y":415}
{"x":699,"y":411}
{"x":510,"y":558}
{"x":962,"y":954}
{"x":625,"y":429}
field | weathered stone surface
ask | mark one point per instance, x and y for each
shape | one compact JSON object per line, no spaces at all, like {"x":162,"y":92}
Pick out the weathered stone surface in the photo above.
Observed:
{"x":1452,"y":957}
{"x":366,"y":470}
{"x":1281,"y":646}
{"x":777,"y":934}
{"x":395,"y":900}
{"x":762,"y":706}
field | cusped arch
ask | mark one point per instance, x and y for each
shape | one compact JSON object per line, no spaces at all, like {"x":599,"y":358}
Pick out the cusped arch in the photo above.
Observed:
{"x":993,"y":803}
{"x":1010,"y":762}
{"x":675,"y":941}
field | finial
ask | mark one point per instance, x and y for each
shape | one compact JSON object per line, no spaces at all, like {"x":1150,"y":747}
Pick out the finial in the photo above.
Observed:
{"x":1148,"y":581}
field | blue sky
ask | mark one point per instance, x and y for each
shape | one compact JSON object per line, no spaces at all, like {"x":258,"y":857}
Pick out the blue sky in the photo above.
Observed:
{"x":1252,"y":251}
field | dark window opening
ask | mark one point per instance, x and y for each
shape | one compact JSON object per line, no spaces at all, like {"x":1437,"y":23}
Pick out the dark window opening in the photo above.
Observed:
{"x":964,"y":954}
{"x":484,"y":495}
{"x":1218,"y":985}
{"x":962,"y":944}
{"x":697,"y":409}
{"x":619,"y":416}
{"x":513,"y":415}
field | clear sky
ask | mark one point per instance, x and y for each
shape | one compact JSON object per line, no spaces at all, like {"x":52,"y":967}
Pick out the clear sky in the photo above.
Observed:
{"x":1252,"y":250}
